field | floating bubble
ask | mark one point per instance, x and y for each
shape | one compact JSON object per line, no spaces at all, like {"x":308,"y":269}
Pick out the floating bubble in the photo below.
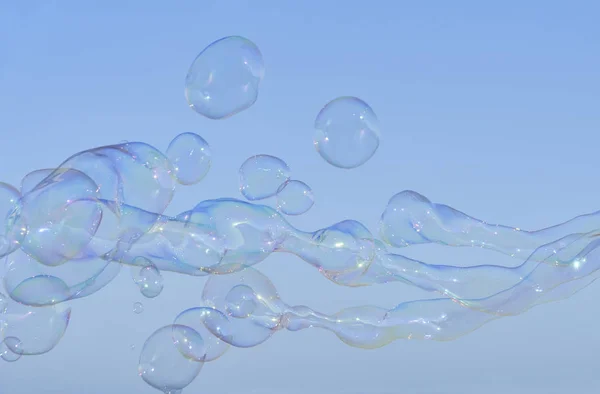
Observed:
{"x":6,"y":349}
{"x":347,"y":132}
{"x":261,"y":176}
{"x":31,"y":283}
{"x":162,"y":365}
{"x":294,"y":198}
{"x":147,"y":277}
{"x":39,"y":330}
{"x":225,"y":77}
{"x":11,"y":232}
{"x":138,"y":308}
{"x":62,"y":215}
{"x":190,"y":155}
{"x":257,"y":295}
{"x":198,"y":319}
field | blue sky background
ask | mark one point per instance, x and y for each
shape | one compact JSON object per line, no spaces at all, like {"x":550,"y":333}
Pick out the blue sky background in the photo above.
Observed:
{"x":490,"y":108}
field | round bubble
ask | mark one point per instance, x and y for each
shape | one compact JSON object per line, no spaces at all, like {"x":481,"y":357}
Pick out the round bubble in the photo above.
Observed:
{"x":347,"y":132}
{"x":266,"y":310}
{"x":11,"y":233}
{"x":39,"y":329}
{"x":162,"y":365}
{"x":294,"y":198}
{"x":224,"y":78}
{"x":138,"y":308}
{"x":198,"y":319}
{"x":6,"y":347}
{"x":191,"y":158}
{"x":241,"y":301}
{"x":147,"y":277}
{"x":262,"y":175}
{"x":62,"y":214}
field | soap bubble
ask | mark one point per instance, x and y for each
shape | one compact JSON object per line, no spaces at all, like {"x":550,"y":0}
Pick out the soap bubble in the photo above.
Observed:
{"x":347,"y":132}
{"x":138,"y":308}
{"x":198,"y":319}
{"x":224,"y":79}
{"x":294,"y":198}
{"x":261,"y":176}
{"x":241,"y":302}
{"x":162,"y":365}
{"x":3,"y":303}
{"x":190,"y":155}
{"x":147,"y":277}
{"x":6,"y":352}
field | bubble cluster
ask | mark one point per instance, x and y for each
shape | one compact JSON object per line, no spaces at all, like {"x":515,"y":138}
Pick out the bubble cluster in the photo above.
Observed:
{"x":67,"y":231}
{"x":264,"y":176}
{"x":225,"y":78}
{"x":346,"y":132}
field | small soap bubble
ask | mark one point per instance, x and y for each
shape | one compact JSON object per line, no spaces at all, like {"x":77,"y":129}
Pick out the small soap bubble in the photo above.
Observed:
{"x":261,"y":176}
{"x":241,"y":302}
{"x":138,"y":308}
{"x":224,"y":78}
{"x":147,"y":277}
{"x":294,"y":198}
{"x":347,"y":132}
{"x":191,"y":158}
{"x":162,"y":365}
{"x":9,"y":349}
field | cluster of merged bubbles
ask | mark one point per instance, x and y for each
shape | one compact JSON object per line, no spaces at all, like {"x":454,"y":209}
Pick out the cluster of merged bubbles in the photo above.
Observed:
{"x":265,"y":176}
{"x":65,"y":232}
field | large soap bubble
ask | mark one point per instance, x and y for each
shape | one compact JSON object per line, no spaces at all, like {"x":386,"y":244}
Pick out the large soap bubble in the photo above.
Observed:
{"x":224,"y":79}
{"x":347,"y":132}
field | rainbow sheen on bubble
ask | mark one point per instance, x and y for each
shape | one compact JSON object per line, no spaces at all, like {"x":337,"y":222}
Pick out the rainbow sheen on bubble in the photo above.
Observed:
{"x":162,"y":365}
{"x":294,"y":198}
{"x":225,"y":78}
{"x":191,"y":158}
{"x":261,"y":176}
{"x":346,"y":132}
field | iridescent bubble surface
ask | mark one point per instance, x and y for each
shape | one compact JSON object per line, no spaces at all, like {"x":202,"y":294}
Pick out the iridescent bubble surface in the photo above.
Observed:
{"x":225,"y":78}
{"x":294,"y":198}
{"x":6,"y":346}
{"x":162,"y":365}
{"x":191,"y":158}
{"x":261,"y":176}
{"x":12,"y":232}
{"x":138,"y":308}
{"x":198,"y":319}
{"x":347,"y":132}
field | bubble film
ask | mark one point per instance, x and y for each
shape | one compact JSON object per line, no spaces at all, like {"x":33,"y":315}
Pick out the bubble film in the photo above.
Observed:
{"x":346,"y":132}
{"x":225,"y":78}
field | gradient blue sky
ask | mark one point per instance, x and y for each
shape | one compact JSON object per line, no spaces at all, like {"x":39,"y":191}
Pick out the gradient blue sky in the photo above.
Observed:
{"x":490,"y":108}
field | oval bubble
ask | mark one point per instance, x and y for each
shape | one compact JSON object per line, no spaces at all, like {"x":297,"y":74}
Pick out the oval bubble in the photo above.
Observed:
{"x":266,"y":314}
{"x":138,"y":308}
{"x":198,"y":319}
{"x":261,"y":176}
{"x":161,"y":364}
{"x":62,"y":214}
{"x":224,"y":78}
{"x":39,"y":329}
{"x":31,"y":283}
{"x":347,"y":132}
{"x":11,"y":233}
{"x":294,"y":198}
{"x":191,"y":158}
{"x":6,"y":349}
